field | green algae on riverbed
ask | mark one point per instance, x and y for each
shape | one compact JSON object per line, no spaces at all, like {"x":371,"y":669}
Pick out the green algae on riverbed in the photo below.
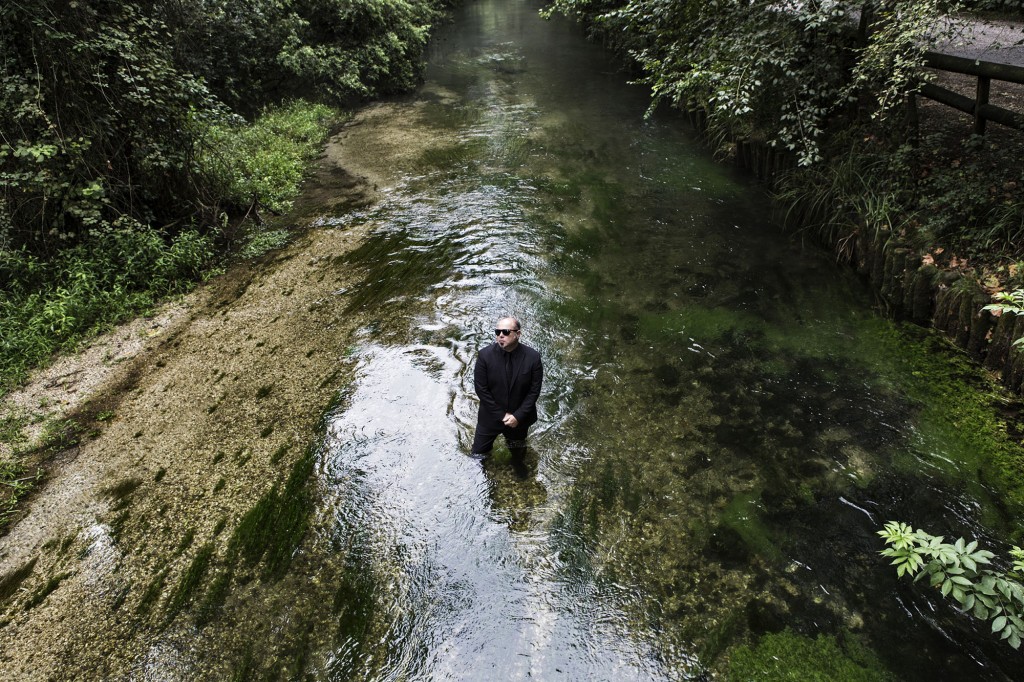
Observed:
{"x":967,"y":427}
{"x":787,"y":656}
{"x":711,"y":472}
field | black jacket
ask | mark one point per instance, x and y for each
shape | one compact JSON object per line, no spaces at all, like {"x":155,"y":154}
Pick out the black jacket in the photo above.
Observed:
{"x":497,"y":395}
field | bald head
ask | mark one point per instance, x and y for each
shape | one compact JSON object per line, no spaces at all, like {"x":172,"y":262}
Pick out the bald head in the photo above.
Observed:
{"x":508,"y":341}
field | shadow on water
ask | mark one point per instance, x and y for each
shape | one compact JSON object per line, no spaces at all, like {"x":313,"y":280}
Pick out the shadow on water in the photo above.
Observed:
{"x":725,"y":422}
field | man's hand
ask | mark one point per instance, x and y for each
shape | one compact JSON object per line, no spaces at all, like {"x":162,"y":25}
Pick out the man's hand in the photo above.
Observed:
{"x":510,"y":421}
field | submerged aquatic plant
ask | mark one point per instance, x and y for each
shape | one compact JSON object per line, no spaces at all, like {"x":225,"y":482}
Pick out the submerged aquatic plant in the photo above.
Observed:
{"x":955,"y":569}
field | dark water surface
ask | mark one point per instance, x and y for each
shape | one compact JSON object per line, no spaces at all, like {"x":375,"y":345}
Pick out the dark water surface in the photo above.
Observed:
{"x":725,"y":423}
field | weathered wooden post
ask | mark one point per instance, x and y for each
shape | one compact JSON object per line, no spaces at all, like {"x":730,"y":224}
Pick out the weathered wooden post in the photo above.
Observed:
{"x":984,"y":85}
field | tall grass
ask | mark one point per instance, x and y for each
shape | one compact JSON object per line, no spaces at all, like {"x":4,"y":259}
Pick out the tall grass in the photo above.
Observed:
{"x":830,"y":200}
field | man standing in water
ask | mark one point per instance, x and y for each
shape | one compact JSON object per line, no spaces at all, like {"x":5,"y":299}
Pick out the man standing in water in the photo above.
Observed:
{"x":507,"y":377}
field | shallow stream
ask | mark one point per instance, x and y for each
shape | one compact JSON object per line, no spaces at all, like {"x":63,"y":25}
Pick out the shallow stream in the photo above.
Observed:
{"x":726,"y":421}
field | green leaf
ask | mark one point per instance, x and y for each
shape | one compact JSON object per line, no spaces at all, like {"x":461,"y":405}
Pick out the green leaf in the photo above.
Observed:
{"x":999,"y":623}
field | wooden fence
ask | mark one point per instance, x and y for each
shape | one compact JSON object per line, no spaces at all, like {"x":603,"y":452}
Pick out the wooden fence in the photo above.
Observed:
{"x":978,"y":107}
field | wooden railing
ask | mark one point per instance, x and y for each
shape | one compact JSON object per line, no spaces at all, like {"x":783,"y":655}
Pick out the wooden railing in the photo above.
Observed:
{"x":978,"y":107}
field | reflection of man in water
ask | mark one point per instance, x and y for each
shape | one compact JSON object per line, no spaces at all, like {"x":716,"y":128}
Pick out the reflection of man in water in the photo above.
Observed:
{"x":507,"y":377}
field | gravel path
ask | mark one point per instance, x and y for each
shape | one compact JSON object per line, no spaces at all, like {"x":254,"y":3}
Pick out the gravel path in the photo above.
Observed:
{"x":992,"y":41}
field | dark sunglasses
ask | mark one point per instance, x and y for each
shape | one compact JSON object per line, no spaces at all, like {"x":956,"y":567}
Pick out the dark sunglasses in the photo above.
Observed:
{"x":504,"y":332}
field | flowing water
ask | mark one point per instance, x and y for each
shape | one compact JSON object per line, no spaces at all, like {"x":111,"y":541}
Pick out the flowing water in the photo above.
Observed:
{"x":725,"y":420}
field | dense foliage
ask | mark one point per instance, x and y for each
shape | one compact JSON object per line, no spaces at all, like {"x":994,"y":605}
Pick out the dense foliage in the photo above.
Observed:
{"x":785,"y":72}
{"x":127,"y":139}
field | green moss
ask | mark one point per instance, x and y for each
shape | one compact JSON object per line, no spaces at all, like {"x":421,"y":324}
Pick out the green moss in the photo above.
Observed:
{"x":276,"y":524}
{"x":161,"y":472}
{"x":267,"y":430}
{"x":452,"y":156}
{"x":213,"y":600}
{"x":152,"y":593}
{"x":743,"y":515}
{"x":219,"y":485}
{"x":121,"y":491}
{"x":117,"y":524}
{"x":961,"y":424}
{"x":120,"y":597}
{"x":245,"y":669}
{"x":186,"y":542}
{"x":718,"y":639}
{"x":190,"y":580}
{"x":789,"y":656}
{"x":703,"y":324}
{"x":330,"y":378}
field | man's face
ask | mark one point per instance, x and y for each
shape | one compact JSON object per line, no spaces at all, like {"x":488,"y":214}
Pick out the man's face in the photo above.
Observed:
{"x":507,"y":341}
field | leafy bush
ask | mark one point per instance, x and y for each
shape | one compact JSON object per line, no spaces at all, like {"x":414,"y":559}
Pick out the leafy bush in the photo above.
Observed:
{"x":1009,"y":302}
{"x":956,"y":570}
{"x":250,"y":52}
{"x":786,"y":74}
{"x":94,"y":114}
{"x":264,"y":161}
